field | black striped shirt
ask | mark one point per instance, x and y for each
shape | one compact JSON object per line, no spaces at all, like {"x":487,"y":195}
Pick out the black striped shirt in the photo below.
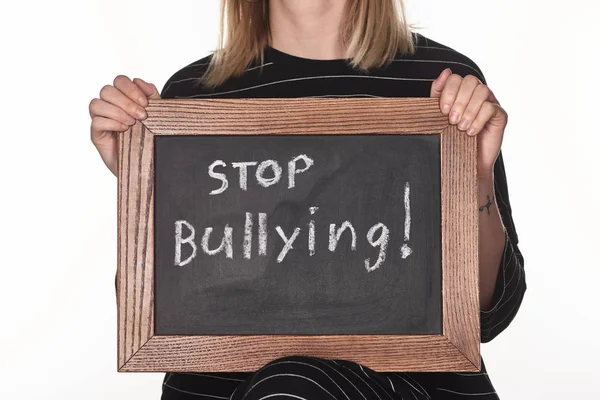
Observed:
{"x":284,"y":75}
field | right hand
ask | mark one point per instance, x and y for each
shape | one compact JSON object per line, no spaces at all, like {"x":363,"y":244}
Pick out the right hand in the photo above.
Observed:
{"x":116,"y":111}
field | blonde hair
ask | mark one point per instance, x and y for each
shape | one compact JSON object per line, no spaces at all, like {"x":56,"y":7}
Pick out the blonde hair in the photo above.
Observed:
{"x":374,"y":31}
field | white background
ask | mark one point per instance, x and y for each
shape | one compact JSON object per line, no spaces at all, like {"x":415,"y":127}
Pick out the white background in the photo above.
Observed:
{"x":58,"y":201}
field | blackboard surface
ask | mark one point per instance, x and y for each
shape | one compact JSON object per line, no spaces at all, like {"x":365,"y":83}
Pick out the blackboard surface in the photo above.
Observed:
{"x":362,"y":179}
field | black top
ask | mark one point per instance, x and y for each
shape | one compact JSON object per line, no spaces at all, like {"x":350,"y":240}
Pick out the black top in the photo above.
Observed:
{"x":285,"y":75}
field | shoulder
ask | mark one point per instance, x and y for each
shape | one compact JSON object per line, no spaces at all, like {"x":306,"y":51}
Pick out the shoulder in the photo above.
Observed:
{"x":186,"y":81}
{"x":432,"y":57}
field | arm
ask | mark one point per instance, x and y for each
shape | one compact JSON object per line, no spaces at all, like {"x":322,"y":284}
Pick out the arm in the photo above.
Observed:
{"x":472,"y":106}
{"x":502,"y":276}
{"x":492,"y":240}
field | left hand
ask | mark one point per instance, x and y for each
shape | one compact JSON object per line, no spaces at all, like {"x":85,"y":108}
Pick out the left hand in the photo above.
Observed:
{"x":472,"y":105}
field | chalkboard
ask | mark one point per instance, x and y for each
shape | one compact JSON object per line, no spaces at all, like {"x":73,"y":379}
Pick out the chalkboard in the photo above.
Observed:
{"x":246,"y":233}
{"x":252,"y":229}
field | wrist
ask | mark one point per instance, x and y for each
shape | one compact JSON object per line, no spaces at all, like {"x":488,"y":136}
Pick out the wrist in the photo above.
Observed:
{"x":485,"y":185}
{"x":485,"y":176}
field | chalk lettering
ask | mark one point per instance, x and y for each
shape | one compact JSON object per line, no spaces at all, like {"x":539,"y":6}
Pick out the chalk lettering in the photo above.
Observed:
{"x":405,"y":249}
{"x":262,"y":234}
{"x":292,"y":171}
{"x":226,"y":242}
{"x":248,"y":236}
{"x":218,"y":175}
{"x":266,"y":182}
{"x":260,"y":173}
{"x":311,"y":232}
{"x":288,"y":242}
{"x":188,"y":240}
{"x":334,"y":235}
{"x":243,"y":166}
{"x":378,"y":236}
{"x":382,"y":242}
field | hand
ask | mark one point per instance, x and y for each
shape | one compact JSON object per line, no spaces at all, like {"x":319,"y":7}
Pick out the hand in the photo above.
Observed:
{"x":472,"y":105}
{"x":116,"y":111}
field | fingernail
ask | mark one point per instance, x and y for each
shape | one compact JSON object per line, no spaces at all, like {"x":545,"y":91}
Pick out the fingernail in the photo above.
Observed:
{"x":471,"y":131}
{"x":141,"y":113}
{"x":130,"y":120}
{"x":454,"y":117}
{"x":463,"y":124}
{"x":446,"y":108}
{"x":142,"y":101}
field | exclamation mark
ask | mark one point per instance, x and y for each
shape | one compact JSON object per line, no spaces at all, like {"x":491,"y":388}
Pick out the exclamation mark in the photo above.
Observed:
{"x":405,"y":249}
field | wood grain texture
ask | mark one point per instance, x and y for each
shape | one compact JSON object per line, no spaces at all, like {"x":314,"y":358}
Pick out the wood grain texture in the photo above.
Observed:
{"x":460,"y":242}
{"x":135,"y":271}
{"x":457,"y":349}
{"x":295,"y":116}
{"x":248,"y":353}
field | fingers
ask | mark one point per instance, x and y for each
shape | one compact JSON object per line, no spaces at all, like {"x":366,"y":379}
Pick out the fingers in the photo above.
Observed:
{"x":488,"y":113}
{"x":101,"y":127}
{"x":463,"y":97}
{"x":115,"y":96}
{"x":449,"y":93}
{"x":149,"y":89}
{"x":479,"y":94}
{"x":104,"y":109}
{"x":468,"y":102}
{"x":131,"y":90}
{"x":438,"y":84}
{"x":116,"y":110}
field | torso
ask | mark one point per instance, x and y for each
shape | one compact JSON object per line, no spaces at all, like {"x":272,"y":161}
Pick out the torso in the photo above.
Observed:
{"x":284,"y":75}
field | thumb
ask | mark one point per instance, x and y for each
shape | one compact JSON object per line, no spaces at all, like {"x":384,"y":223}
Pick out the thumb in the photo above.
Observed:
{"x":149,"y":89}
{"x":437,"y":86}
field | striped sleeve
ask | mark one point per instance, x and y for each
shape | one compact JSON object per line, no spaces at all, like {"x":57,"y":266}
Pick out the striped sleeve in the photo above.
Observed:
{"x":510,"y":284}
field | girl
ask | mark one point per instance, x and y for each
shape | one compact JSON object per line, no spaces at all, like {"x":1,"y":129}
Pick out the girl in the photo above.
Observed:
{"x":342,"y":48}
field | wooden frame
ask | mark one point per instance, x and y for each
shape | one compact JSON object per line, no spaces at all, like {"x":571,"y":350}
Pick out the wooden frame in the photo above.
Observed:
{"x":139,"y":349}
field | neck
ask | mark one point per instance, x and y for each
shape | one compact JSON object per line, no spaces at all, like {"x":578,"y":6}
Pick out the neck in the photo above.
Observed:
{"x":308,"y":28}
